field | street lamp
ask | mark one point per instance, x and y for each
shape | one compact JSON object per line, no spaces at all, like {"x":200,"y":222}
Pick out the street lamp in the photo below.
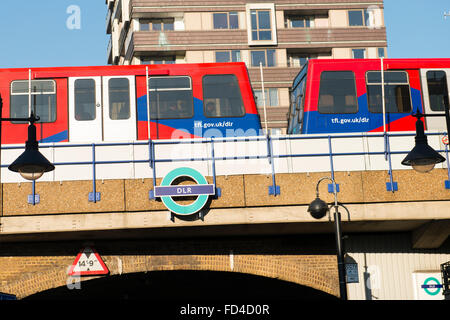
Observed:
{"x":318,"y":209}
{"x":422,"y":157}
{"x":31,"y":164}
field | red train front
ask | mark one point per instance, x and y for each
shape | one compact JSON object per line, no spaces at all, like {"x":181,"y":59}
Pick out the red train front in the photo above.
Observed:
{"x":110,"y":103}
{"x":334,"y":96}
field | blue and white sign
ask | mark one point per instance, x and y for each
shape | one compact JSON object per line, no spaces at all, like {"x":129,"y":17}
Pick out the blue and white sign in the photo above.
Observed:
{"x":351,"y":273}
{"x":166,"y":191}
{"x":428,"y":286}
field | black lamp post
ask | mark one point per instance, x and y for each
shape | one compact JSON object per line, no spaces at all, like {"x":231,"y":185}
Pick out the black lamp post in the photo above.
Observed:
{"x":318,"y":209}
{"x":31,"y":164}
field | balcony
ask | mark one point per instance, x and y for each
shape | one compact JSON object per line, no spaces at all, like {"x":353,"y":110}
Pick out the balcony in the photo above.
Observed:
{"x":237,"y":39}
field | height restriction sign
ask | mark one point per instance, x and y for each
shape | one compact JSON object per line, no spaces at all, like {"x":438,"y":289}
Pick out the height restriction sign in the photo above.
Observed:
{"x":88,"y":263}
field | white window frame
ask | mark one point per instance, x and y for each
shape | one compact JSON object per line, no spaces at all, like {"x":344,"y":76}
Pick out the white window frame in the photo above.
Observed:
{"x":273,"y":23}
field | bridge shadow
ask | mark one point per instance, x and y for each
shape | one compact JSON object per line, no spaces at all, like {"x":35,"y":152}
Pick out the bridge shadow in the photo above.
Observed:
{"x":185,"y":286}
{"x":155,"y":243}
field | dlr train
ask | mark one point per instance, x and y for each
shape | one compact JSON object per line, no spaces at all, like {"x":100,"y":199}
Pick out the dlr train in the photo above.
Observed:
{"x":128,"y":103}
{"x":368,"y":95}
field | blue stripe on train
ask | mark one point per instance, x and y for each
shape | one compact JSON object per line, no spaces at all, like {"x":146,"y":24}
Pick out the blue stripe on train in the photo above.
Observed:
{"x":362,"y":121}
{"x":201,"y":126}
{"x":61,"y":136}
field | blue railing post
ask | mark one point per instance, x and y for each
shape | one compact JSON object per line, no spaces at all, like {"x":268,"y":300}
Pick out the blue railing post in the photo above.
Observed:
{"x":33,"y":198}
{"x":332,"y":187}
{"x":391,"y":185}
{"x":218,"y":191}
{"x":273,"y":189}
{"x":94,"y":196}
{"x":152,"y":164}
{"x":447,"y":182}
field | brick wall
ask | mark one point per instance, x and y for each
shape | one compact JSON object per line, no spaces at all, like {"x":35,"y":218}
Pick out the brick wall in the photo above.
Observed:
{"x":28,"y":268}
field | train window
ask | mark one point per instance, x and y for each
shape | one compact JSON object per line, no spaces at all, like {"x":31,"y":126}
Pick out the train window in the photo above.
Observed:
{"x":43,"y":100}
{"x":396,"y":92}
{"x":171,"y":98}
{"x":437,"y":90}
{"x":119,"y":98}
{"x":337,"y":92}
{"x":222,"y":96}
{"x":85,"y":100}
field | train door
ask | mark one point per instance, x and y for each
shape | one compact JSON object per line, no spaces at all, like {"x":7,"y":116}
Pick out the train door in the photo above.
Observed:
{"x":102,"y":109}
{"x":119,"y":108}
{"x":435,"y":86}
{"x":85,"y":109}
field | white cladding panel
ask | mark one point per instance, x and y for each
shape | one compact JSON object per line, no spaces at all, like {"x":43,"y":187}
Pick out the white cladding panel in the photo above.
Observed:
{"x":387,"y":266}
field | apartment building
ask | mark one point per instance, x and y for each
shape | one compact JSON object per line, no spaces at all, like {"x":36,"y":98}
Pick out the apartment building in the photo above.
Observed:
{"x":279,"y":35}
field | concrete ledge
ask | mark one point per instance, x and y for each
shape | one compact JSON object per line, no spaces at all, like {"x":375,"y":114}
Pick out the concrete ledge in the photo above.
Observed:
{"x":359,"y":213}
{"x":237,"y":191}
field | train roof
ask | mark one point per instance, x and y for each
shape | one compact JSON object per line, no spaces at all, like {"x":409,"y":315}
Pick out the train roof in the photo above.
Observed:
{"x":389,"y":64}
{"x":154,"y":69}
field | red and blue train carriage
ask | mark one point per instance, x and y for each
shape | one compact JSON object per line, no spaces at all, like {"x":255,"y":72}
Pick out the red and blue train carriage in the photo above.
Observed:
{"x":111,"y":103}
{"x":334,"y":96}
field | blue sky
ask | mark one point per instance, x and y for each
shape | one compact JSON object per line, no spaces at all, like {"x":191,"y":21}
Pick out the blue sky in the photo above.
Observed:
{"x":417,"y":28}
{"x":35,"y":33}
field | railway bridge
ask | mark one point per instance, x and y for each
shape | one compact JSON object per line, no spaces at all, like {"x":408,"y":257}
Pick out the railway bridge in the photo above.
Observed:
{"x":251,"y":230}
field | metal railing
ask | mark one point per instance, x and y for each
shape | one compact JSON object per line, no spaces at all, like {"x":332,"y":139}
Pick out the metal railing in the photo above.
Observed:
{"x":270,"y":155}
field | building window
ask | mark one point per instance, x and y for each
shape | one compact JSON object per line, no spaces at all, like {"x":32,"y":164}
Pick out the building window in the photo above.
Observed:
{"x":119,"y":98}
{"x":299,"y":22}
{"x":396,"y":92}
{"x":381,"y":53}
{"x":43,"y":100}
{"x":297,"y":60}
{"x":222,"y":96}
{"x":359,"y":53}
{"x":158,"y":60}
{"x":437,"y":90}
{"x":156,"y":24}
{"x":226,"y":20}
{"x":261,"y":26}
{"x":271,"y":96}
{"x":171,"y":98}
{"x":337,"y":92}
{"x":358,"y":18}
{"x":228,"y":56}
{"x":264,"y":57}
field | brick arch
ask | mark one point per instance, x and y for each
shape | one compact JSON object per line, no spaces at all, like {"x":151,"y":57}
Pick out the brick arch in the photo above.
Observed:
{"x":295,"y":269}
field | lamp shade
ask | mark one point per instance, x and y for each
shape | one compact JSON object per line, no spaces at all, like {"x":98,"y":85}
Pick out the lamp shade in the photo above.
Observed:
{"x":31,"y":164}
{"x":422,"y":157}
{"x":318,"y":208}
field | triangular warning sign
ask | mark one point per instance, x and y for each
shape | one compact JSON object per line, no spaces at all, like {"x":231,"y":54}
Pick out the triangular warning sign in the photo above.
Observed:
{"x":88,"y":263}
